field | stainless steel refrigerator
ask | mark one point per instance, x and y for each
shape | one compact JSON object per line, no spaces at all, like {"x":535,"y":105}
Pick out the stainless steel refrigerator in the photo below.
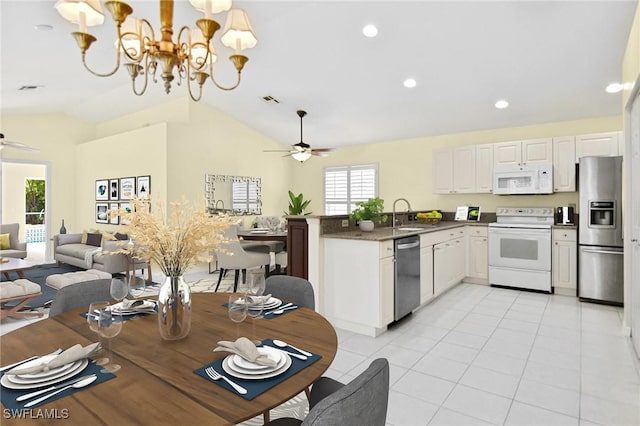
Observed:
{"x":600,"y":255}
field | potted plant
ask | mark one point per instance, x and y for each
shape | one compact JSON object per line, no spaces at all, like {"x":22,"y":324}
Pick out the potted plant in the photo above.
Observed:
{"x":369,"y":212}
{"x":297,"y":204}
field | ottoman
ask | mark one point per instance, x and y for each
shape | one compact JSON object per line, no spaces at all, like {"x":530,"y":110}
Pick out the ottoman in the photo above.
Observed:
{"x":21,"y":289}
{"x":59,"y":281}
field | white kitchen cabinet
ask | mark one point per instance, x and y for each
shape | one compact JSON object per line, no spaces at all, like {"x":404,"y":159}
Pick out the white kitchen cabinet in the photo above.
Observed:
{"x":564,"y":263}
{"x":426,"y":273}
{"x":598,"y":144}
{"x":387,"y":276}
{"x":564,"y":164}
{"x":449,"y":262}
{"x":484,"y":168}
{"x":518,"y":153}
{"x":478,"y":254}
{"x":453,"y":170}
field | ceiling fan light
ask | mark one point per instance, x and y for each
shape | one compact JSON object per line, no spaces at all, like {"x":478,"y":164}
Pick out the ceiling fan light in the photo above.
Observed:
{"x":301,"y":156}
{"x":237,"y":33}
{"x":81,"y":12}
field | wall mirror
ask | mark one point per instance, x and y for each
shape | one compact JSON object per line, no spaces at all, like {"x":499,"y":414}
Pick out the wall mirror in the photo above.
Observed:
{"x":237,"y":195}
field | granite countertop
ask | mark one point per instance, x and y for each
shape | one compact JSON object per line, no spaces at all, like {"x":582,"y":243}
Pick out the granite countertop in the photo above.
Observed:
{"x":387,"y":233}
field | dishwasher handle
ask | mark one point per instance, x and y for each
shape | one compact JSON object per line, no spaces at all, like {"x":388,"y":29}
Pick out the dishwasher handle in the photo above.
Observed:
{"x":408,"y":245}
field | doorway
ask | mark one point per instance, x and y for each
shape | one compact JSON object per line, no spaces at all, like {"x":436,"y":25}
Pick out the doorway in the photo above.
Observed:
{"x":25,"y":194}
{"x":633,"y":192}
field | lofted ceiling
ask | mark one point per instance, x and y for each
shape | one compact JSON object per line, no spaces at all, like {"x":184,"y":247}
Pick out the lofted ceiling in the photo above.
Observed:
{"x":550,"y":59}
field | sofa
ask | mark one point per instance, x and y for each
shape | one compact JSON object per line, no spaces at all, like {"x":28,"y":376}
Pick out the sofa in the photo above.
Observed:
{"x":15,"y":247}
{"x":93,"y":253}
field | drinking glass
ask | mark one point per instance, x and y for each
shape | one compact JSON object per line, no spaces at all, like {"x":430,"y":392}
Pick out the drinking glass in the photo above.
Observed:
{"x":119,"y":289}
{"x":136,"y":286}
{"x":110,"y":325}
{"x":93,"y":319}
{"x":237,"y":308}
{"x":255,"y":289}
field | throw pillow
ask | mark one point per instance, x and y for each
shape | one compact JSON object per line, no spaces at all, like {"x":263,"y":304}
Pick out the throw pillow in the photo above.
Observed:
{"x":121,"y":237}
{"x":108,"y":236}
{"x":5,"y":241}
{"x":94,"y":239}
{"x":69,"y":239}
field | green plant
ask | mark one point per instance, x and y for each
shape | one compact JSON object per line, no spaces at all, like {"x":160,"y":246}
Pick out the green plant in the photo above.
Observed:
{"x":297,"y":204}
{"x":371,"y":209}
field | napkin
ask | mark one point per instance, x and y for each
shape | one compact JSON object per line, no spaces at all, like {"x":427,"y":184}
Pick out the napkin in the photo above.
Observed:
{"x":247,"y":350}
{"x":74,"y":353}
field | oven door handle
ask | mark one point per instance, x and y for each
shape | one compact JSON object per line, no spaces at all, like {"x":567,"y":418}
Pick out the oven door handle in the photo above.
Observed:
{"x":603,"y":251}
{"x":519,"y":231}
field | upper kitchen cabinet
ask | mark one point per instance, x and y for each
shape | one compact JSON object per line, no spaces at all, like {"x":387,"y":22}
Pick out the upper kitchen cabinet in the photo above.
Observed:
{"x":517,"y":153}
{"x":564,"y":164}
{"x":454,"y":170}
{"x":598,"y":144}
{"x":484,"y":168}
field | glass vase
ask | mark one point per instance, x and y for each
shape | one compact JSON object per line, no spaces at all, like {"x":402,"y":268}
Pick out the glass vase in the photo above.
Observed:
{"x":174,"y":309}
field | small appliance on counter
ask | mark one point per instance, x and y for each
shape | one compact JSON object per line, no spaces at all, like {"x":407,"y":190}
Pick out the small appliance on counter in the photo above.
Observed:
{"x":565,"y":215}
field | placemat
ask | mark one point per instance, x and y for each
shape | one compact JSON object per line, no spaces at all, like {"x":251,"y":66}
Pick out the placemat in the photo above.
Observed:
{"x":8,"y":396}
{"x":256,"y":387}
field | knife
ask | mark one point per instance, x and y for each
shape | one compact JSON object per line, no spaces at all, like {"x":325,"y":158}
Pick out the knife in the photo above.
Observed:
{"x":59,"y":385}
{"x":275,"y":309}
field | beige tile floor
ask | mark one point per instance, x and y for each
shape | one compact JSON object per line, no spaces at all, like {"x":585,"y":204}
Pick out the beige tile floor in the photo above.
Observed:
{"x":483,"y":355}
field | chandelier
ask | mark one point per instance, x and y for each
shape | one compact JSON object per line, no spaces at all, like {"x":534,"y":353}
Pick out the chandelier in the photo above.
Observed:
{"x":191,"y":56}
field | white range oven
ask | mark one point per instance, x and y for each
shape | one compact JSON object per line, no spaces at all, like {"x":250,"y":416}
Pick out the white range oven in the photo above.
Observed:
{"x":520,"y":248}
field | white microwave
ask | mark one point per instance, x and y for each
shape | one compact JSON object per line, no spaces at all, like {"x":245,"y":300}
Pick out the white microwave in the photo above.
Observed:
{"x":525,"y":179}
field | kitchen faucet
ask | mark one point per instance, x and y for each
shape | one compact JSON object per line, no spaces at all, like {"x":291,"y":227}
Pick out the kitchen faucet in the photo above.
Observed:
{"x":394,"y":209}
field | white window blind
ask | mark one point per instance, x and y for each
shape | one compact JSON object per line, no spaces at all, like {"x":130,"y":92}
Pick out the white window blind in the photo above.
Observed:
{"x":244,"y":196}
{"x":344,"y":185}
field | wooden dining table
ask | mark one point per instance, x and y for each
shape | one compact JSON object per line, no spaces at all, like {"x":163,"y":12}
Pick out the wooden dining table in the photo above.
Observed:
{"x":156,"y":384}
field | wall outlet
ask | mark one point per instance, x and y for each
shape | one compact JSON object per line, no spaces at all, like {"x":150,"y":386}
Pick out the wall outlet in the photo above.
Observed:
{"x":345,"y":223}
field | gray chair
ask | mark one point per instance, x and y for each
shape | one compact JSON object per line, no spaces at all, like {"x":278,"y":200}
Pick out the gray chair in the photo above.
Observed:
{"x":231,"y":256}
{"x":16,"y":248}
{"x":292,"y":289}
{"x":78,"y":295}
{"x":363,"y":401}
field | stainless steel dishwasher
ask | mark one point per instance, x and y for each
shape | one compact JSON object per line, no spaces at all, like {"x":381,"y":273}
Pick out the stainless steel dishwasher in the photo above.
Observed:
{"x":407,"y":275}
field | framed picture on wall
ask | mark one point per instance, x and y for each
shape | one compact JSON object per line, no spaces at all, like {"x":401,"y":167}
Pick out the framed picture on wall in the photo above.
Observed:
{"x":102,"y":189}
{"x":127,"y":208}
{"x":114,"y":189}
{"x":114,"y":218}
{"x":102,"y":216}
{"x":144,"y":186}
{"x":127,"y":188}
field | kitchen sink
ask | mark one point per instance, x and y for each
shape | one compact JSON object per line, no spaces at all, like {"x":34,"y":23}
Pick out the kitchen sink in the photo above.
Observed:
{"x":409,"y":229}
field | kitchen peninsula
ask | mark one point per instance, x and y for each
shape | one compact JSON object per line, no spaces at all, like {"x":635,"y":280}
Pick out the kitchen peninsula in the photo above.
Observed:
{"x":359,"y":278}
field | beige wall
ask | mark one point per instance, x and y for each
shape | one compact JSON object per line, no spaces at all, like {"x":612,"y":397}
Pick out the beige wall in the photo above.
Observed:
{"x":13,"y":193}
{"x":405,"y":167}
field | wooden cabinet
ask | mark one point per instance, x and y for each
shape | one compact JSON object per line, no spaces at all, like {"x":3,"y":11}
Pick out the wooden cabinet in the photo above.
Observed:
{"x":426,"y":273}
{"x":598,"y":144}
{"x":517,"y":153}
{"x":564,"y":264}
{"x":453,"y":170}
{"x":564,"y":164}
{"x":449,"y":262}
{"x":478,"y":254}
{"x":297,"y":247}
{"x":484,"y":168}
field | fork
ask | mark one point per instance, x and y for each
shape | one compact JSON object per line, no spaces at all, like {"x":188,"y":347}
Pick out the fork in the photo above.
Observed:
{"x":215,"y":376}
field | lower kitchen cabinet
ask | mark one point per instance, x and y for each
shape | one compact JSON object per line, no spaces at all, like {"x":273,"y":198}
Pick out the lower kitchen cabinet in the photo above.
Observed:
{"x":478,"y":255}
{"x":564,"y":264}
{"x":448,"y":264}
{"x":426,"y":273}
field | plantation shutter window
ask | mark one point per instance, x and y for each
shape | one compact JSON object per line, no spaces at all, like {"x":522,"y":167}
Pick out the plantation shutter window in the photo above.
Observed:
{"x":345,"y":185}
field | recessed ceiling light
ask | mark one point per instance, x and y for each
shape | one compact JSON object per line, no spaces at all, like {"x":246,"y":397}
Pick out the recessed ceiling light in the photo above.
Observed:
{"x":614,"y":88}
{"x":43,"y":27}
{"x":410,"y":83}
{"x":370,"y":30}
{"x":502,"y":104}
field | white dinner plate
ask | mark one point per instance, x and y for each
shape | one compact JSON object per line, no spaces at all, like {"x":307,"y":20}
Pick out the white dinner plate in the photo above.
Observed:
{"x":146,"y":307}
{"x":260,"y":231}
{"x":244,"y":366}
{"x":4,"y":381}
{"x":23,"y":380}
{"x":273,"y":373}
{"x":273,"y":302}
{"x":43,"y":374}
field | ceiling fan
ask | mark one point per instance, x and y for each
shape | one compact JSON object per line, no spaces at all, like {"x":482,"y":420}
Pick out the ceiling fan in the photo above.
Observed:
{"x":301,"y":151}
{"x":17,"y":145}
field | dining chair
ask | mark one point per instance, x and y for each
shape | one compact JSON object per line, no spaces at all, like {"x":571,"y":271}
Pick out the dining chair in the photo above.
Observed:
{"x":80,"y":294}
{"x":292,"y":289}
{"x":231,"y":256}
{"x":362,"y":401}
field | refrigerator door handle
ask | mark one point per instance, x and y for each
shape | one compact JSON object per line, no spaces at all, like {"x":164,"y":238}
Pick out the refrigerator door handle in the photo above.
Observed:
{"x":604,"y":252}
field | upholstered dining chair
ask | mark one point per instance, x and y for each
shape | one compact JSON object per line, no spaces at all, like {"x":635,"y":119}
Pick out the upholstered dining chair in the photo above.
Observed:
{"x":363,"y":401}
{"x":80,"y":294}
{"x":231,"y":256}
{"x":292,"y":289}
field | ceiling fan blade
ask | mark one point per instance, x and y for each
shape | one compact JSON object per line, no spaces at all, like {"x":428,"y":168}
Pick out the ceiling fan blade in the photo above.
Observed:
{"x":322,"y":149}
{"x":17,"y":145}
{"x":277,"y":150}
